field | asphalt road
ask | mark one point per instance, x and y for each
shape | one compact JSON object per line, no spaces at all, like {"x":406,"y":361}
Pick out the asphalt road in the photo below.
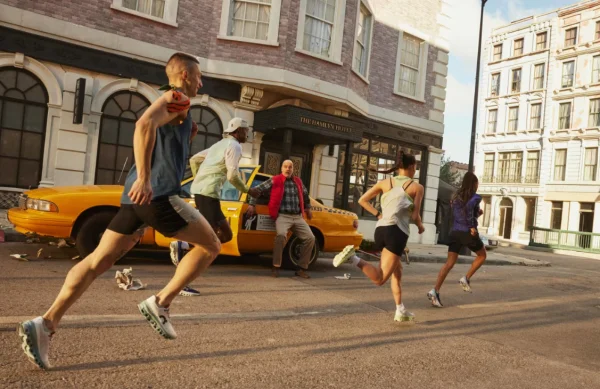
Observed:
{"x":520,"y":328}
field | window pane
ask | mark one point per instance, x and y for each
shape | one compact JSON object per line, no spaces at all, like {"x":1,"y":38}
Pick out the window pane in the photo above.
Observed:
{"x":124,"y":159}
{"x":31,"y":147}
{"x":111,"y":108}
{"x":10,"y":143}
{"x":106,"y":156}
{"x":109,"y":130}
{"x":8,"y":78}
{"x":34,"y":118}
{"x":126,"y":133}
{"x":36,"y":94}
{"x":122,"y":99}
{"x":104,"y":177}
{"x":29,"y":171}
{"x":8,"y":173}
{"x":25,"y":81}
{"x":211,"y":140}
{"x":12,"y":115}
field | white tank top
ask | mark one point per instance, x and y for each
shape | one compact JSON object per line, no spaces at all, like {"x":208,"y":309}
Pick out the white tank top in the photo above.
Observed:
{"x":396,"y":206}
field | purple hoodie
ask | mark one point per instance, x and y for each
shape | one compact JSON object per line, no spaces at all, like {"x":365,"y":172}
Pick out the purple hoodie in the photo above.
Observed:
{"x":465,"y":218}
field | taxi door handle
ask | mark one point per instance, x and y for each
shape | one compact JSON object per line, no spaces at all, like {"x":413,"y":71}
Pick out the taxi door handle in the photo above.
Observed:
{"x":232,"y":209}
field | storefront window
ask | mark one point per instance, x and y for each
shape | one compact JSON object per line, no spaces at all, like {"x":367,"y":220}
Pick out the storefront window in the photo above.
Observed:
{"x":23,"y":112}
{"x":370,"y":153}
{"x":115,"y":148}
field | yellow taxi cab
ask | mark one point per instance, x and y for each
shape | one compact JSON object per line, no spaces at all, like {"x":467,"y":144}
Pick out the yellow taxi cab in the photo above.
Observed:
{"x":82,"y":213}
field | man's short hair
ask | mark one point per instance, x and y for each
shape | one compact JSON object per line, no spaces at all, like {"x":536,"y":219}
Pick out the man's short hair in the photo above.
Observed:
{"x":180,"y":62}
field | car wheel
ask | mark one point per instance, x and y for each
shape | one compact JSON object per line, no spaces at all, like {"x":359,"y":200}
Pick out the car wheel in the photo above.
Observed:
{"x":91,"y":231}
{"x":291,"y":253}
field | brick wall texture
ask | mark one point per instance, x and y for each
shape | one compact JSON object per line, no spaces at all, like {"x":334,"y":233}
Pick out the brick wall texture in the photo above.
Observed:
{"x":199,"y":22}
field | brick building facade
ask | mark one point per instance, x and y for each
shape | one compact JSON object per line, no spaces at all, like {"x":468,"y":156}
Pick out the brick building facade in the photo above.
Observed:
{"x":376,"y":67}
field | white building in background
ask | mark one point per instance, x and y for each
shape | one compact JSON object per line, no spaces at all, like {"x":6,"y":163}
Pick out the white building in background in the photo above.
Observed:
{"x":539,"y":124}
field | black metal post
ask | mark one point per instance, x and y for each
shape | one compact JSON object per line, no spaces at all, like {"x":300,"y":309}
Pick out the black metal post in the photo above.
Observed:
{"x":287,"y":144}
{"x":474,"y":124}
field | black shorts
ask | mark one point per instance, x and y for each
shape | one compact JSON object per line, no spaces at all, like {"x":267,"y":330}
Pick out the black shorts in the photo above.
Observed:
{"x":210,"y":208}
{"x":458,"y":239}
{"x":391,"y":238}
{"x":167,"y":215}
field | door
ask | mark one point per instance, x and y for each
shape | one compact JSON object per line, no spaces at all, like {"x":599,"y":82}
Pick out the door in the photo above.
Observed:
{"x":506,"y":215}
{"x":271,"y":159}
{"x":586,"y":224}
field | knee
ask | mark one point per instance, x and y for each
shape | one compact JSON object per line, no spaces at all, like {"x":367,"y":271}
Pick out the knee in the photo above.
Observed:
{"x":380,"y":282}
{"x":214,"y":249}
{"x":280,"y":238}
{"x":99,"y":264}
{"x":310,"y":240}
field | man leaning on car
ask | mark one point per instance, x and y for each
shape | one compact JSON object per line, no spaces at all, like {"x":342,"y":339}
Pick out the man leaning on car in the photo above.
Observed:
{"x":288,"y":201}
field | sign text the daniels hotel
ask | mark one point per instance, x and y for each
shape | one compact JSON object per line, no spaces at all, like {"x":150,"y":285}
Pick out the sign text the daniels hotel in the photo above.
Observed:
{"x":326,"y":125}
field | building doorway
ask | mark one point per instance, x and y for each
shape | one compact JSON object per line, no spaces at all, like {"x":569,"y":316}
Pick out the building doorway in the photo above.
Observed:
{"x":271,"y":158}
{"x":586,"y":224}
{"x":506,"y":216}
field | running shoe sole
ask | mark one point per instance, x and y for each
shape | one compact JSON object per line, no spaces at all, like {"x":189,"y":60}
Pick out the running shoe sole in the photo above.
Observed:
{"x":344,"y":255}
{"x":153,"y":320}
{"x":466,"y":287}
{"x":28,"y":340}
{"x":431,"y":297}
{"x":188,"y":294}
{"x":404,"y":318}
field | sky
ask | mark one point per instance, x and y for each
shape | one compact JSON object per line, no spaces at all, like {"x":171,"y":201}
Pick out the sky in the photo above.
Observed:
{"x":464,"y":34}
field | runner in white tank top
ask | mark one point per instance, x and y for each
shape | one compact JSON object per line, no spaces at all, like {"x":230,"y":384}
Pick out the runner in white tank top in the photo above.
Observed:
{"x":401,"y":199}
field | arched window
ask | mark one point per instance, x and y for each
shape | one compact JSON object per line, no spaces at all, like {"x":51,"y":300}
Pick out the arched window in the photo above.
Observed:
{"x":23,"y":112}
{"x":210,"y":129}
{"x":115,"y":148}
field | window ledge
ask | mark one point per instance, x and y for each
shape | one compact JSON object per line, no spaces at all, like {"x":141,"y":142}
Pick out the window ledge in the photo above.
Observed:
{"x":361,"y":76}
{"x":248,"y":40}
{"x":420,"y":100}
{"x":511,"y":132}
{"x":143,"y":15}
{"x":311,"y":54}
{"x":490,"y":134}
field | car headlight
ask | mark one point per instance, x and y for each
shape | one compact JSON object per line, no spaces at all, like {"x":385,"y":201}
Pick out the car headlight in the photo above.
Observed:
{"x":41,"y":205}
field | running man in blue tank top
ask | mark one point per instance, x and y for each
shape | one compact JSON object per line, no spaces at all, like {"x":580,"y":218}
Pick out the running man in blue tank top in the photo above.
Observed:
{"x":150,"y":198}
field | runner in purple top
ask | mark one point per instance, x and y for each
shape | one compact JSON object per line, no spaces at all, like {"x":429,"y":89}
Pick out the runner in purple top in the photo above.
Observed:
{"x":465,"y":211}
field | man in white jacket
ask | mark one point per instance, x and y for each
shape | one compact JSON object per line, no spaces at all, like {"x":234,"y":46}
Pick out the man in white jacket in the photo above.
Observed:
{"x":217,"y":164}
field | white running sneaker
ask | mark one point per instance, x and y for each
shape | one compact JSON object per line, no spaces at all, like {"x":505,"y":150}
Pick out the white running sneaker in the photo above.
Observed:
{"x":176,"y":252}
{"x":434,"y":297}
{"x":404,"y":316}
{"x":158,"y":317}
{"x":189,"y":292}
{"x":466,"y":285}
{"x":35,"y":341}
{"x":344,"y":256}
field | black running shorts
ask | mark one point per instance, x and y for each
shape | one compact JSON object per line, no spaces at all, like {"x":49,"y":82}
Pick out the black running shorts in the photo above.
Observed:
{"x":391,"y":238}
{"x":167,"y":215}
{"x":210,"y":208}
{"x":458,"y":239}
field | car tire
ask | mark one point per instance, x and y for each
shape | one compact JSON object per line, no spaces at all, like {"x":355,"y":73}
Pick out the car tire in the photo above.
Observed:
{"x":291,"y":253}
{"x":91,"y":231}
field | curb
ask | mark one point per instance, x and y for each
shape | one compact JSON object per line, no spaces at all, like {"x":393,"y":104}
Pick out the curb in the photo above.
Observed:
{"x":11,"y":235}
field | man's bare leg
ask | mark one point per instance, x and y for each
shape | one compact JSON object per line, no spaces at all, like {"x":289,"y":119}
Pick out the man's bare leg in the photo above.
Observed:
{"x":206,"y":248}
{"x":111,"y":248}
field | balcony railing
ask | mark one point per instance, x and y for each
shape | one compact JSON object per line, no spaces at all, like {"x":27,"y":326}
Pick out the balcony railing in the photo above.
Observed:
{"x":564,"y":240}
{"x":509,"y":179}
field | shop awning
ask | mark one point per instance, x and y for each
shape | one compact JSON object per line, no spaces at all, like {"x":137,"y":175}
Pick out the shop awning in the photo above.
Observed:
{"x":320,"y":128}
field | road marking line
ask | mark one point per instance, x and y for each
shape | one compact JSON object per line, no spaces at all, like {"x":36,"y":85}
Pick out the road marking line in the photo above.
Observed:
{"x":508,"y":304}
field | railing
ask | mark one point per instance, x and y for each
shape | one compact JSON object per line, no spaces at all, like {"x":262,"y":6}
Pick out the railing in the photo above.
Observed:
{"x":507,"y":179}
{"x":564,"y":240}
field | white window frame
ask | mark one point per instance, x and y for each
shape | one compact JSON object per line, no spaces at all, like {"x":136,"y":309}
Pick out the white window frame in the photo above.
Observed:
{"x":584,"y":165}
{"x":510,"y":86}
{"x":337,"y":35}
{"x":531,"y":114}
{"x":169,"y":16}
{"x":494,"y":54}
{"x":535,"y":48}
{"x":365,"y":76}
{"x":272,"y":36}
{"x":515,"y":45}
{"x":509,"y":108}
{"x":492,"y":84}
{"x":565,"y":36}
{"x":564,"y":167}
{"x":424,"y":53}
{"x":558,"y":126}
{"x":573,"y":77}
{"x":489,"y":115}
{"x":533,"y":87}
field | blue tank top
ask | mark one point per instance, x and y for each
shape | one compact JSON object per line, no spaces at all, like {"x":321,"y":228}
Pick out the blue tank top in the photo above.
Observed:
{"x":169,"y":159}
